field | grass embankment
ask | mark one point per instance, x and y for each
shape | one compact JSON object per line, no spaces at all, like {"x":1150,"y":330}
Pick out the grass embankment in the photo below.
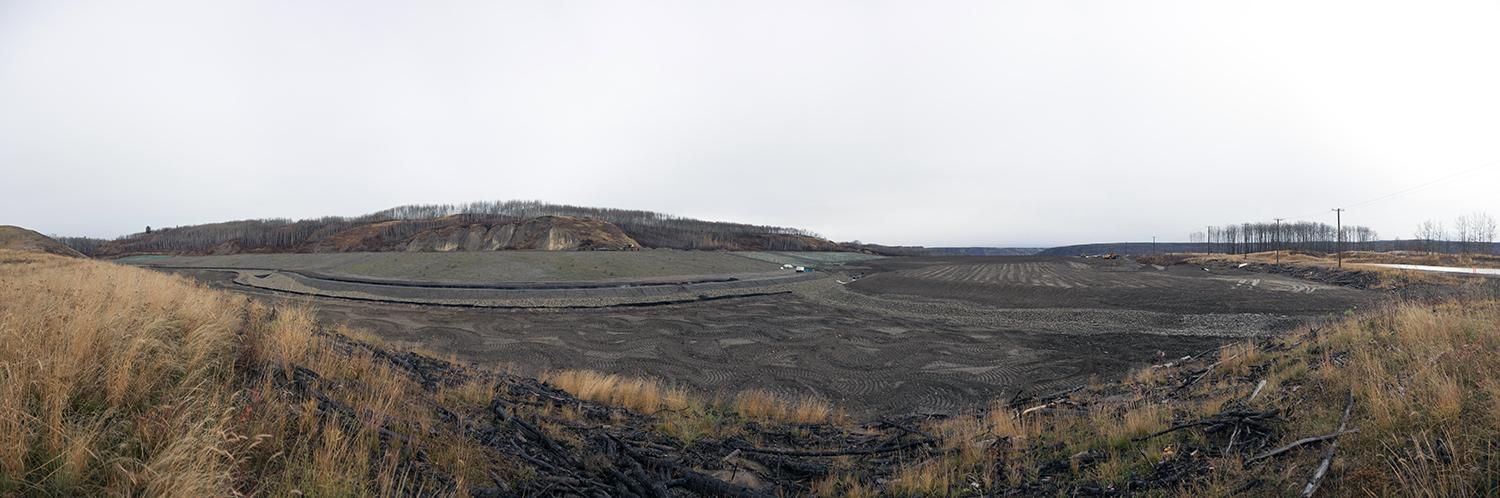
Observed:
{"x":120,"y":381}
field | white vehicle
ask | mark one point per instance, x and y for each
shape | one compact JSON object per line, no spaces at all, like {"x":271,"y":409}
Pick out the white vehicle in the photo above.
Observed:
{"x":801,"y":269}
{"x":787,"y":267}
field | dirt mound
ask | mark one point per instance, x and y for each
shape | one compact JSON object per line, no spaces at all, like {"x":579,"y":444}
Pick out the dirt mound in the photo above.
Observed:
{"x":20,"y":239}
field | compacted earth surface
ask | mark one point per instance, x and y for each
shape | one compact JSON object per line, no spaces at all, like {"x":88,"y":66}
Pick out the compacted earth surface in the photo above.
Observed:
{"x":874,"y":335}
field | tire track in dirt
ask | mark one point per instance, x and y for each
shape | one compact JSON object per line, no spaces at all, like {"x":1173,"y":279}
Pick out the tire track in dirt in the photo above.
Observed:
{"x":872,"y":352}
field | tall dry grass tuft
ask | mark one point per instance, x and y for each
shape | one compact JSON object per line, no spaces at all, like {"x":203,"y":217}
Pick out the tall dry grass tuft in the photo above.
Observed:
{"x":285,"y":341}
{"x":113,"y":379}
{"x":639,"y":394}
{"x":806,"y":409}
{"x":649,"y":396}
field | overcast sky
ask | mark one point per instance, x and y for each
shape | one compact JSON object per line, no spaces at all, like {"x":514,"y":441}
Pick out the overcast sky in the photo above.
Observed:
{"x":932,"y":123}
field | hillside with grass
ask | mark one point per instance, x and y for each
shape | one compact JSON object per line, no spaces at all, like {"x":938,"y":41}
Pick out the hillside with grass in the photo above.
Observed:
{"x":478,"y":226}
{"x":122,"y":381}
{"x":15,"y":238}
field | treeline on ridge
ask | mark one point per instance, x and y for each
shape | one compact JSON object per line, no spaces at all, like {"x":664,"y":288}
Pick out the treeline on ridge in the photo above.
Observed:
{"x":1243,"y":238}
{"x":1470,"y":233}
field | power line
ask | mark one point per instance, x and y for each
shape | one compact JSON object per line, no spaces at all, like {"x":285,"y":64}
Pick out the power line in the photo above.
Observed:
{"x":1405,"y":190}
{"x":1425,"y":185}
{"x":1377,"y":199}
{"x":1339,"y":232}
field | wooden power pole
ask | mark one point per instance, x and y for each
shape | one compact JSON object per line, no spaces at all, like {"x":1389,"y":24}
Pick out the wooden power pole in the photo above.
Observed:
{"x":1339,"y":233}
{"x":1277,"y":242}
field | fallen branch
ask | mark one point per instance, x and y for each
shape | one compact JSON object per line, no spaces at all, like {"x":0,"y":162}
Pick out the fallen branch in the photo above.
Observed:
{"x":1042,"y":406}
{"x":1317,"y":478}
{"x":1297,"y":443}
{"x":1020,"y":398}
{"x":1174,"y":428}
{"x":1194,"y":379}
{"x":1233,"y":418}
{"x":1258,"y":387}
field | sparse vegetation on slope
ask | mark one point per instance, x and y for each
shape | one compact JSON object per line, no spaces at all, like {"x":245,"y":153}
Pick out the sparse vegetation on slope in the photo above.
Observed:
{"x":20,"y":239}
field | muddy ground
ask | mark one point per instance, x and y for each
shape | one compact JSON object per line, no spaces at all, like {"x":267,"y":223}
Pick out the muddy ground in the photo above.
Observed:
{"x":911,"y":335}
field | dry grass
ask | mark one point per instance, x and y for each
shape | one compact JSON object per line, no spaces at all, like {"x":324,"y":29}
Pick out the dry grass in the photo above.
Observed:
{"x":688,"y":417}
{"x":1426,"y":381}
{"x":1236,"y":359}
{"x":756,"y":403}
{"x":844,"y":486}
{"x":121,"y":381}
{"x":651,"y":397}
{"x":639,"y":394}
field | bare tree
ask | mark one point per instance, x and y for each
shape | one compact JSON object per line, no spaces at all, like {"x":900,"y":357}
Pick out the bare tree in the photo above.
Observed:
{"x":1430,"y":234}
{"x":1483,"y":226}
{"x":1467,"y":231}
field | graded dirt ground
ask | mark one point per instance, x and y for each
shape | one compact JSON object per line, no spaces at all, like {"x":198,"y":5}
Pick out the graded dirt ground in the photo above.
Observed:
{"x":911,"y":335}
{"x":1093,"y":283}
{"x":481,"y":267}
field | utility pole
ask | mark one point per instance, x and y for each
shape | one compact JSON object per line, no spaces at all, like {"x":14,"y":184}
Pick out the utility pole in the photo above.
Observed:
{"x":1278,"y":240}
{"x":1339,"y":233}
{"x":1210,"y":235}
{"x":1153,"y":244}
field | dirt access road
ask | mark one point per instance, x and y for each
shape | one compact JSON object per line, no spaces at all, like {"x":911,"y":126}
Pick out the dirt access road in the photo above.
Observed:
{"x":926,"y":335}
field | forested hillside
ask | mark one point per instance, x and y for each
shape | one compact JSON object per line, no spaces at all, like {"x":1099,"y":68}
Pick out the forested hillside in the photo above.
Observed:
{"x":442,"y":227}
